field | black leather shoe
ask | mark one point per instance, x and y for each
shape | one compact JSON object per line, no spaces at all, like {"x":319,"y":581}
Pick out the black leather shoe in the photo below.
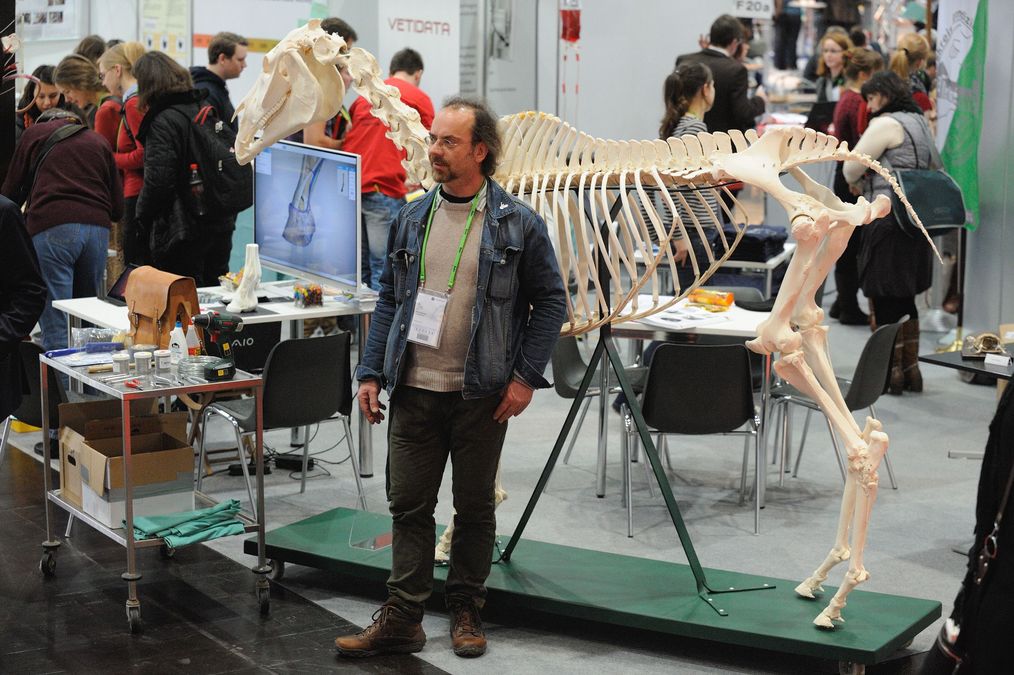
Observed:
{"x":835,"y":310}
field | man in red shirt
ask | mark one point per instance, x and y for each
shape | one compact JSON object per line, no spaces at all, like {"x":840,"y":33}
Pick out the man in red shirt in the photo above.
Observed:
{"x":383,"y":177}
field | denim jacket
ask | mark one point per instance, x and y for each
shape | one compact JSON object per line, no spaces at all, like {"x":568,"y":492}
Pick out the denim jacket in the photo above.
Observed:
{"x":520,"y":300}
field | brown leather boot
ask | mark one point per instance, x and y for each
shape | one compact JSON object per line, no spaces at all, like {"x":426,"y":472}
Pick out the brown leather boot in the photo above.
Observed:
{"x":910,"y":355}
{"x":393,"y":631}
{"x":896,"y":381}
{"x":467,"y":636}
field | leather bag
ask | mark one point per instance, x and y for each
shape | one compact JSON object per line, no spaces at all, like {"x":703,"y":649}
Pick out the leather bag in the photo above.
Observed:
{"x":933,"y":194}
{"x":155,"y":299}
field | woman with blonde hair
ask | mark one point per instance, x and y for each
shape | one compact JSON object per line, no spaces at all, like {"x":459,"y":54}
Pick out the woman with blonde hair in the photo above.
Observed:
{"x":78,"y":79}
{"x":831,"y":66}
{"x":907,"y":61}
{"x":116,"y":68}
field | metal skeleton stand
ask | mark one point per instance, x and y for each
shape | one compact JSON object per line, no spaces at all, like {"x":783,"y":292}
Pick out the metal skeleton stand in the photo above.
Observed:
{"x":606,"y":349}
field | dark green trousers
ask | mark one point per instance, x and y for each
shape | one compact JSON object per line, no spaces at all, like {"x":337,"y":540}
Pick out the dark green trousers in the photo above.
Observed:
{"x":425,"y":428}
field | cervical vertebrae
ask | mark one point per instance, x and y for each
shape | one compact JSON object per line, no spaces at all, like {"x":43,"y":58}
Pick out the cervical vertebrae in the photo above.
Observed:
{"x":573,"y":180}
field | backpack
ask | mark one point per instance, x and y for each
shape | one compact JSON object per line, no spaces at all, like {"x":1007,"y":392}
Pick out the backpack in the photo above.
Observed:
{"x":228,"y":187}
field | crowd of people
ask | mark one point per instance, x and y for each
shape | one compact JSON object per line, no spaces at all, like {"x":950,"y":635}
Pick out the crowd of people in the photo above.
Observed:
{"x":882,"y":106}
{"x":96,"y":145}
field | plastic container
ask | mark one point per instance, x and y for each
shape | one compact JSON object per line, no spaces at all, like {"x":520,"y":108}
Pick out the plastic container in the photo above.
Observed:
{"x":177,"y":344}
{"x":163,"y":361}
{"x":121,"y":363}
{"x":193,"y":343}
{"x":142,"y":363}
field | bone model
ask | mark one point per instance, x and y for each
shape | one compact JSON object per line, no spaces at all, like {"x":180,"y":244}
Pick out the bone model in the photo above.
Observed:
{"x":572,"y":179}
{"x":245,"y":299}
{"x":299,"y":227}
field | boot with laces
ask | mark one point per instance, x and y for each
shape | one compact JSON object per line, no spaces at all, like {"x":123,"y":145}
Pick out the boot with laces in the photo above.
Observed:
{"x":393,"y":631}
{"x":467,"y":636}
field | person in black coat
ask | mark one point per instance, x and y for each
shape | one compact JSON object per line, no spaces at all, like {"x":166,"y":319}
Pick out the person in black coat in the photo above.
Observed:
{"x":733,"y":109}
{"x":22,"y":299}
{"x":180,"y":242}
{"x":226,"y":60}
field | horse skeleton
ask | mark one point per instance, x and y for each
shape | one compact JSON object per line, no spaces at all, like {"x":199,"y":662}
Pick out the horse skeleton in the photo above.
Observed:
{"x":559,"y":171}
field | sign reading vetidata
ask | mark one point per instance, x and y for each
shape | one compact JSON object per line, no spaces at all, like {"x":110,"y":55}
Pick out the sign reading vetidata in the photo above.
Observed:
{"x":432,"y":29}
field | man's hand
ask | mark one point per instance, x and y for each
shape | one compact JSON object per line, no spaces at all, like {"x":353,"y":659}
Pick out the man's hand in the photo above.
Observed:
{"x":369,"y":401}
{"x":515,"y":399}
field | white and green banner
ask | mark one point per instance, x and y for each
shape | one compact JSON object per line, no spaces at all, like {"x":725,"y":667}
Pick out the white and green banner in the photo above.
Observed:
{"x":961,"y":56}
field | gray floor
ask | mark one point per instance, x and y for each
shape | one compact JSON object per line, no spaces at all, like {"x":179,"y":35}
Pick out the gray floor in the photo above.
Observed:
{"x":912,"y":534}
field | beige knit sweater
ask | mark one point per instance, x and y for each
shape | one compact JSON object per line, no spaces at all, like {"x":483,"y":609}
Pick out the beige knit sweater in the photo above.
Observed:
{"x":443,"y":369}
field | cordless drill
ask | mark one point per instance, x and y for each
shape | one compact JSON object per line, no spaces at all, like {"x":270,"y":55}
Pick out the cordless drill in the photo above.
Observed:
{"x":221,"y":326}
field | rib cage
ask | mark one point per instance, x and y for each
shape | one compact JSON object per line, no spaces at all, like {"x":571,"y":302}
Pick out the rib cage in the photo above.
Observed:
{"x":556,"y":169}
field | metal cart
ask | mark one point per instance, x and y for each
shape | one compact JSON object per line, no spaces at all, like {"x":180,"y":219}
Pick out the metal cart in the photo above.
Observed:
{"x":125,"y":537}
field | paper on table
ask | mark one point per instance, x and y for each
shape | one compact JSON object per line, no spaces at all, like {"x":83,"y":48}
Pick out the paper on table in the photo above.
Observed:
{"x":679,"y":316}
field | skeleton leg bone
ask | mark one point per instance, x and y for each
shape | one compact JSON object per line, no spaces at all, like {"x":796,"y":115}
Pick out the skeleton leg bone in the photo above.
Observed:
{"x":860,"y":488}
{"x":442,"y":552}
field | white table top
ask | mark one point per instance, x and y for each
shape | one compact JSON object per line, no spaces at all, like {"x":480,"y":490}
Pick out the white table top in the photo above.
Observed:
{"x":735,"y":322}
{"x":107,"y":315}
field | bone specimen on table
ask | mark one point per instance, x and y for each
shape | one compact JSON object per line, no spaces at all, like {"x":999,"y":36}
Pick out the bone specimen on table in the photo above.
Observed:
{"x":300,"y":226}
{"x":613,"y":264}
{"x":245,"y":299}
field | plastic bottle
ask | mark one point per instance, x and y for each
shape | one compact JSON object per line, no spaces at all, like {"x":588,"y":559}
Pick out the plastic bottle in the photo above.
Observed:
{"x":177,"y":344}
{"x":197,"y":191}
{"x":193,"y":344}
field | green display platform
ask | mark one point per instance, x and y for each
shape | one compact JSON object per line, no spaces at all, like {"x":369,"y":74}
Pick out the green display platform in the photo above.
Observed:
{"x":626,"y":591}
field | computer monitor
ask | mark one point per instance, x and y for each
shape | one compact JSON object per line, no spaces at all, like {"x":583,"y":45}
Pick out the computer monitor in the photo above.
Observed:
{"x":306,"y":212}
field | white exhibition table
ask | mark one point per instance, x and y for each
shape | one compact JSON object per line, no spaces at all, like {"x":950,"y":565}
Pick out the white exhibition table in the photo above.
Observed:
{"x":107,"y":315}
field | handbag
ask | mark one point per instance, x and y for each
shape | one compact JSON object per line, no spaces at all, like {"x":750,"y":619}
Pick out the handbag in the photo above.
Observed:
{"x":155,"y":301}
{"x":933,"y":194}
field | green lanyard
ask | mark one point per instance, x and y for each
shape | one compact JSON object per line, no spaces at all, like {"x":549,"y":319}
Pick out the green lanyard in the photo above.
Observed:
{"x":461,"y":244}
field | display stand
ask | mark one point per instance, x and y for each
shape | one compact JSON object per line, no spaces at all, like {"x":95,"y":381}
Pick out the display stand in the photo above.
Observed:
{"x":606,"y":354}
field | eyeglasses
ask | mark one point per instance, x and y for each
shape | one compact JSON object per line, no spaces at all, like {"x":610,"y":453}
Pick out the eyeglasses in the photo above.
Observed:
{"x":447,"y":142}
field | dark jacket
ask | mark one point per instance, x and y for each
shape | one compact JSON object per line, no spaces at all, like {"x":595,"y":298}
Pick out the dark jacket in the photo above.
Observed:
{"x":218,"y":94}
{"x":520,"y":301}
{"x":77,"y":183}
{"x":22,"y":299}
{"x":166,"y":134}
{"x":732,"y":108}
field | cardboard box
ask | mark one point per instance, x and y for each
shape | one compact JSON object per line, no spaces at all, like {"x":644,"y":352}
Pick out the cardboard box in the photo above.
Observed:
{"x":91,"y":460}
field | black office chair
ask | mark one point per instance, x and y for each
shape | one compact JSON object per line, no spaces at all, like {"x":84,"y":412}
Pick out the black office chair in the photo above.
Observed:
{"x":569,"y":368}
{"x":699,"y":389}
{"x":861,"y":391}
{"x":306,"y":381}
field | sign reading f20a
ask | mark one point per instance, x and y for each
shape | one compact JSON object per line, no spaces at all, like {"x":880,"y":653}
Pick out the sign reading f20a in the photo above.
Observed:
{"x":752,"y":9}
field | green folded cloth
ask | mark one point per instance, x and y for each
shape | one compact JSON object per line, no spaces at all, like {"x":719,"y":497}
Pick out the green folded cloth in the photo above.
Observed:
{"x":189,"y":527}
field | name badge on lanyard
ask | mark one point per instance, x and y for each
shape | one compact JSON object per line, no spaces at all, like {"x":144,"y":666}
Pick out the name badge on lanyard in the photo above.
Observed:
{"x":428,"y":318}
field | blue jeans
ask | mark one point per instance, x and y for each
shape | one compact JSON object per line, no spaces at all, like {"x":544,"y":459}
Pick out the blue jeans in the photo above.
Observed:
{"x":379,"y":213}
{"x":73,"y":262}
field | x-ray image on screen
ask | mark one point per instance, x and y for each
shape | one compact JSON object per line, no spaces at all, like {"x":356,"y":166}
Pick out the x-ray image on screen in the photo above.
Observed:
{"x":306,"y":218}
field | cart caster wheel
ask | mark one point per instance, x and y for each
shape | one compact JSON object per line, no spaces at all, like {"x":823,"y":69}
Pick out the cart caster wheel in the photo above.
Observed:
{"x":277,"y":569}
{"x":264,"y":599}
{"x":47,"y":565}
{"x":851,"y":668}
{"x":134,"y":619}
{"x":167,"y":552}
